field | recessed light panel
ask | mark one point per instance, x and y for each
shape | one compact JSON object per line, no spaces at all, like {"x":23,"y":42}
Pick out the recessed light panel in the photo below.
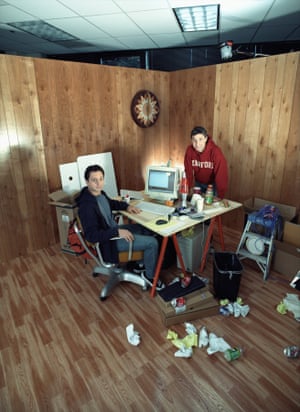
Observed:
{"x":43,"y":30}
{"x":198,"y":18}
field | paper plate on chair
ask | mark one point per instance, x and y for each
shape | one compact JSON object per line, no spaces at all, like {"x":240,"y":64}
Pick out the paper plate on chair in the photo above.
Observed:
{"x":255,"y":246}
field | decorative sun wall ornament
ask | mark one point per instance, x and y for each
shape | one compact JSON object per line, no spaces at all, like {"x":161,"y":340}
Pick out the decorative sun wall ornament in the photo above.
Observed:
{"x":145,"y":108}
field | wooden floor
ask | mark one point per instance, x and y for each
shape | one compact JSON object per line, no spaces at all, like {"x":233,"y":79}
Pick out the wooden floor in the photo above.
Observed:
{"x":61,"y":349}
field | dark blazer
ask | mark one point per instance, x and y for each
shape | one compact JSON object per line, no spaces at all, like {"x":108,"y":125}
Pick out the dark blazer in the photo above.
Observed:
{"x":94,"y":224}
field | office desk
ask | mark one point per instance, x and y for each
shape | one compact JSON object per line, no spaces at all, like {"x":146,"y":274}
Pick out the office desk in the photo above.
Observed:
{"x":176,"y":225}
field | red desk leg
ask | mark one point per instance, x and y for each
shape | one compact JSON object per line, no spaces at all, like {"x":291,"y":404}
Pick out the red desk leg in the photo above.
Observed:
{"x":158,"y":265}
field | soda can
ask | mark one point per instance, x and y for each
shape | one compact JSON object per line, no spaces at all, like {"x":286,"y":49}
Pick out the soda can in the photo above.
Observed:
{"x":292,"y":351}
{"x":185,"y":281}
{"x":232,"y":354}
{"x":180,"y":302}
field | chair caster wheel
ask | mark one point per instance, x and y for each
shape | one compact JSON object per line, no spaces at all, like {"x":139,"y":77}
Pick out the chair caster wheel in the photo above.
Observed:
{"x":95,"y":274}
{"x":102,"y":298}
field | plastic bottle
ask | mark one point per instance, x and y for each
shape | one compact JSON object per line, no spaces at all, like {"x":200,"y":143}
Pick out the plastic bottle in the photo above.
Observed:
{"x":209,"y":195}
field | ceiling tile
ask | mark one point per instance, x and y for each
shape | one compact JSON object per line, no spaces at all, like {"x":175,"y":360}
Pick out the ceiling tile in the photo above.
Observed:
{"x":168,"y":40}
{"x":9,"y":14}
{"x":78,"y":27}
{"x":138,"y":42}
{"x":165,"y":21}
{"x":91,"y":7}
{"x":116,"y":24}
{"x":138,"y":5}
{"x":43,"y":9}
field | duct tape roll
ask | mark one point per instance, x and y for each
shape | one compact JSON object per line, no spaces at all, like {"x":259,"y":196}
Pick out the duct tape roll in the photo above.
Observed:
{"x":255,"y":245}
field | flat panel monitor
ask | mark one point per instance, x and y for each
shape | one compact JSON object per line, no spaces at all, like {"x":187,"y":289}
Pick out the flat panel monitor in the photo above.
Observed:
{"x":162,"y":182}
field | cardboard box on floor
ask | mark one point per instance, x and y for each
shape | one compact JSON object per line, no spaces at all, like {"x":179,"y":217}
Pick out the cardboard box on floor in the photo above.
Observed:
{"x":200,"y":303}
{"x":253,"y":204}
{"x":190,"y":315}
{"x":287,"y":253}
{"x":66,"y":211}
{"x":195,"y":299}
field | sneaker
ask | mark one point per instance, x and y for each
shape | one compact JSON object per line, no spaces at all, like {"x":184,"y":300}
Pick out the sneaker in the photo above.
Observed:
{"x":159,"y":286}
{"x":138,"y":268}
{"x":135,"y":267}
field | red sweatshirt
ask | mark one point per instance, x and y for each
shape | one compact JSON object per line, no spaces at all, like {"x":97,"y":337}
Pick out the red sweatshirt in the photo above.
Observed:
{"x":208,"y":167}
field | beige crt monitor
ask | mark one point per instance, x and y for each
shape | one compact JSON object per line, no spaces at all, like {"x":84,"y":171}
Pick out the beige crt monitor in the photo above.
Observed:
{"x":162,"y":182}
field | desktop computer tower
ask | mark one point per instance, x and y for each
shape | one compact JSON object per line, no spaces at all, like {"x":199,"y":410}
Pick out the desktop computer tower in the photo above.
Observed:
{"x":191,"y":246}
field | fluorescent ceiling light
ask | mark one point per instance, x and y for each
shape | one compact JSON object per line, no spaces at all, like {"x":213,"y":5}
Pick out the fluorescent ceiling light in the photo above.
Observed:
{"x":43,"y":30}
{"x":198,"y":18}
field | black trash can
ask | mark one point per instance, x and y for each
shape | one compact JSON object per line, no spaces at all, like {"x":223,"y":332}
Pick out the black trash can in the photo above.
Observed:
{"x":227,"y":275}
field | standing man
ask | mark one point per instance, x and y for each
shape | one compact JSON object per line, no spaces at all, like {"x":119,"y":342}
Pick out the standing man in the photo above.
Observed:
{"x":95,"y":212}
{"x":205,"y":163}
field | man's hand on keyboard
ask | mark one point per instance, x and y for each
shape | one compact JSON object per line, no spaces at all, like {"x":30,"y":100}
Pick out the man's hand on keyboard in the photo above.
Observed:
{"x":133,"y":209}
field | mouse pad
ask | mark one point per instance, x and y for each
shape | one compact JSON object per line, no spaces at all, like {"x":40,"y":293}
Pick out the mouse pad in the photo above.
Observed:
{"x":176,"y":290}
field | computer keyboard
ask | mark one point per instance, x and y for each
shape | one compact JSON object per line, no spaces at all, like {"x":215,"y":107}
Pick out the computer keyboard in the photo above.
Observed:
{"x":155,"y":208}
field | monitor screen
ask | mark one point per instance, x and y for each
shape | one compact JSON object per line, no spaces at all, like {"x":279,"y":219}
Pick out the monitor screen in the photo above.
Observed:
{"x":162,"y":182}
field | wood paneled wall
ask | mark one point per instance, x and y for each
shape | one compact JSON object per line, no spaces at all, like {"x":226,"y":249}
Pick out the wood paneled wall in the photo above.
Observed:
{"x":25,"y":222}
{"x":53,"y":111}
{"x":86,"y":109}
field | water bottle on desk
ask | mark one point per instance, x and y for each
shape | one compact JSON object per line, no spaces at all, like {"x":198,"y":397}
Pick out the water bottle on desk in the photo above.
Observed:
{"x":209,"y":195}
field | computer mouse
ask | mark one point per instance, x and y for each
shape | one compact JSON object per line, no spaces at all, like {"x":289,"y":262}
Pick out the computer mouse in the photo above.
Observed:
{"x":161,"y":222}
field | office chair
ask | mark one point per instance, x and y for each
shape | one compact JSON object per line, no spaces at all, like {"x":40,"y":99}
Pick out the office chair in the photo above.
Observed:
{"x":115,"y":273}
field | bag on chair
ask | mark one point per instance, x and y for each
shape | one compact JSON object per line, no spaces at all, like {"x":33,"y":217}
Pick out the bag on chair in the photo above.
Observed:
{"x":75,"y":244}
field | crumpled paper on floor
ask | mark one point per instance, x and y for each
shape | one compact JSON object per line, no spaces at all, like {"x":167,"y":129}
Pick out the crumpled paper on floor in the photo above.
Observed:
{"x":292,"y":303}
{"x":184,"y":352}
{"x":171,"y":335}
{"x":224,"y":302}
{"x":216,"y":344}
{"x":188,"y":341}
{"x":185,"y":344}
{"x":236,"y":308}
{"x":133,"y":337}
{"x":190,"y":328}
{"x":203,"y":337}
{"x":281,"y":308}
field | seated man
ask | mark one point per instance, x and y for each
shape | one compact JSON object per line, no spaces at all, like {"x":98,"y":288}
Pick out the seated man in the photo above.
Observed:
{"x":95,"y":212}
